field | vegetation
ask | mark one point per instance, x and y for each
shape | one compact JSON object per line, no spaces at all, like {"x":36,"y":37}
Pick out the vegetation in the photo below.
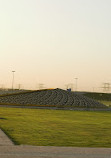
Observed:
{"x":57,"y":127}
{"x":104,"y":98}
{"x":107,"y":103}
{"x":54,"y":97}
{"x":99,"y":96}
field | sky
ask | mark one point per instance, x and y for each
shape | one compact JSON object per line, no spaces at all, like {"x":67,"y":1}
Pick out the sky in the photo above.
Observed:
{"x":55,"y":41}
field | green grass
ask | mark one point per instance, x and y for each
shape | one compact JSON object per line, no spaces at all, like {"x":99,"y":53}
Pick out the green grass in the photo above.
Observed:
{"x":104,"y":98}
{"x":107,"y":103}
{"x":99,"y":96}
{"x":57,"y":127}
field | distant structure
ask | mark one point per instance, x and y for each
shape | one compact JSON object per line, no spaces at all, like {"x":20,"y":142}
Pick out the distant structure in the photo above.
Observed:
{"x":19,"y":86}
{"x":106,"y":87}
{"x":41,"y":85}
{"x":69,"y":89}
{"x":2,"y":86}
{"x":69,"y":86}
{"x":76,"y":83}
{"x":13,"y":80}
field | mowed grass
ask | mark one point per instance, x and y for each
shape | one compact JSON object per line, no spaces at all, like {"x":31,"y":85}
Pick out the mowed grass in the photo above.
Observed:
{"x":57,"y":127}
{"x":107,"y":103}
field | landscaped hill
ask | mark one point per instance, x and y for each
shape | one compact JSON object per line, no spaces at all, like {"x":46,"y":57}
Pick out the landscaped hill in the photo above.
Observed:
{"x":99,"y":96}
{"x":10,"y":91}
{"x":53,"y":97}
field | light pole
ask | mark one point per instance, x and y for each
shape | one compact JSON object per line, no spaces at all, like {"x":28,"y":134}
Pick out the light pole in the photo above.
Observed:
{"x":13,"y":79}
{"x":76,"y":83}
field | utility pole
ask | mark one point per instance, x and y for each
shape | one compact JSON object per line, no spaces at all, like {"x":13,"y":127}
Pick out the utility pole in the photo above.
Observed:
{"x":106,"y":87}
{"x":13,"y":79}
{"x":19,"y":86}
{"x":41,"y":85}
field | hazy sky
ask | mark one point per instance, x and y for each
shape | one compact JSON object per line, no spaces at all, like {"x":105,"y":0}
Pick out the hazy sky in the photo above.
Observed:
{"x":55,"y":41}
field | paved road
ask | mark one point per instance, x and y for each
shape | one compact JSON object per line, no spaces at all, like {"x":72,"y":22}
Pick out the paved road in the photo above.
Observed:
{"x":4,"y":140}
{"x":52,"y":152}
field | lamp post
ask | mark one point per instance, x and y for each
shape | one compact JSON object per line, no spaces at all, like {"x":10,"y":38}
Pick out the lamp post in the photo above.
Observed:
{"x":13,"y":80}
{"x":76,"y":83}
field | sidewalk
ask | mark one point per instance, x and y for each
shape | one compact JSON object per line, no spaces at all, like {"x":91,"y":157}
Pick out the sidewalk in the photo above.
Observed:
{"x":52,"y":152}
{"x":4,"y":140}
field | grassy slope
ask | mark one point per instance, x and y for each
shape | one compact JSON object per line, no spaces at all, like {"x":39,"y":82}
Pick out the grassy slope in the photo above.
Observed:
{"x":107,"y":103}
{"x":104,"y":98}
{"x":99,"y":96}
{"x":57,"y":128}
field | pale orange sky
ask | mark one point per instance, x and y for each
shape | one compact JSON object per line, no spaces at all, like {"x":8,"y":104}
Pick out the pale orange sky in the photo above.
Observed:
{"x":53,"y":42}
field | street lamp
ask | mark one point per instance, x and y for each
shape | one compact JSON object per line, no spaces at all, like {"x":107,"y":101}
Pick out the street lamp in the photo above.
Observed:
{"x":13,"y":79}
{"x":76,"y":83}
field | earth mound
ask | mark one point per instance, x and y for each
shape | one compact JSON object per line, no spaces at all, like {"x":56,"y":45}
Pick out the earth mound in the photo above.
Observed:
{"x":51,"y":97}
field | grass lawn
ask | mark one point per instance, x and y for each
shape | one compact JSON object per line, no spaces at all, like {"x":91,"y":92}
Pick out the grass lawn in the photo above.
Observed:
{"x":107,"y":103}
{"x":57,"y":127}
